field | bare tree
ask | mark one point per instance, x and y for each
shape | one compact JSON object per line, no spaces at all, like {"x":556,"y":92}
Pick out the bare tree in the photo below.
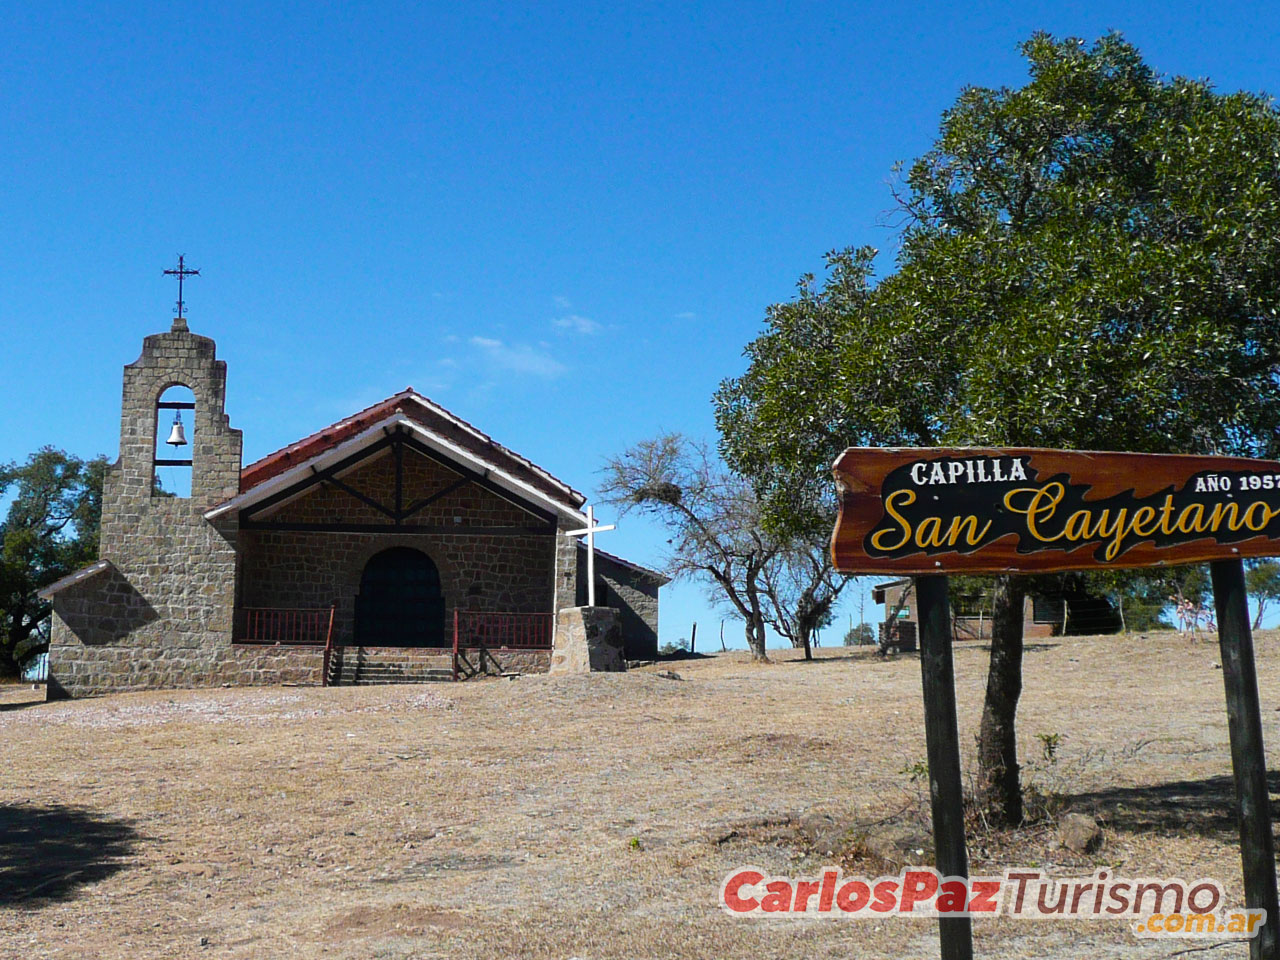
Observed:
{"x":713,"y":518}
{"x":801,"y":587}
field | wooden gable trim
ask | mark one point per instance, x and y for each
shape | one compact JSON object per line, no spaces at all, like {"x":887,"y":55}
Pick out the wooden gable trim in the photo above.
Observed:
{"x":438,"y":530}
{"x":481,"y":479}
{"x":397,"y":430}
{"x":395,"y":440}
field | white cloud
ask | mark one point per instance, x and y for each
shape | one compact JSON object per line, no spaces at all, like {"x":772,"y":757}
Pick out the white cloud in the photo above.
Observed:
{"x":578,"y":324}
{"x":562,"y":303}
{"x":687,"y":315}
{"x":519,"y":358}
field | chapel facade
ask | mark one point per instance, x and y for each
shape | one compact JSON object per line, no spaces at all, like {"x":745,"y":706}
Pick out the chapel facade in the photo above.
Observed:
{"x":399,"y":543}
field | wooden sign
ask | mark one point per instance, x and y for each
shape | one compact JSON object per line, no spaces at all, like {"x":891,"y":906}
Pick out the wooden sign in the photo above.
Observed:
{"x":929,"y":510}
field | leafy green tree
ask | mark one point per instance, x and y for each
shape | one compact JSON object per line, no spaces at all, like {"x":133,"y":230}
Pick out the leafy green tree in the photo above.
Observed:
{"x":1140,"y":597}
{"x":1263,"y":583}
{"x":1089,"y":261}
{"x":859,"y":635}
{"x":50,"y":530}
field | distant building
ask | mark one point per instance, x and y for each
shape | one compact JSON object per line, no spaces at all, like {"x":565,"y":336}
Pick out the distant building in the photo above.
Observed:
{"x":970,"y":618}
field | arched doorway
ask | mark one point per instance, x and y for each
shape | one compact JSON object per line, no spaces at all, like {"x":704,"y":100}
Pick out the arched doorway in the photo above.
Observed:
{"x":400,"y":603}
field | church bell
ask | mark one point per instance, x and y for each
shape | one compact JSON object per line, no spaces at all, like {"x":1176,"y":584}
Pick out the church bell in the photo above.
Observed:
{"x":176,"y":437}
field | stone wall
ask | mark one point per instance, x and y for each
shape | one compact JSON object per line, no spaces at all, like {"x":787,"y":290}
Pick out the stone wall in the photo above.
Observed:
{"x":567,"y":570}
{"x":588,"y":640}
{"x":497,"y":662}
{"x":634,"y":594}
{"x":498,"y":573}
{"x":162,"y":616}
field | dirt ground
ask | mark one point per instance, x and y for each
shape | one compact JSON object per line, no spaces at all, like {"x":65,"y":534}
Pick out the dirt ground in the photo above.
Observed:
{"x":589,"y":816}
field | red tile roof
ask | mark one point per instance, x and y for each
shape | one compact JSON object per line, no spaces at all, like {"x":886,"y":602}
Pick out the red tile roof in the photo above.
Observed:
{"x":435,"y":418}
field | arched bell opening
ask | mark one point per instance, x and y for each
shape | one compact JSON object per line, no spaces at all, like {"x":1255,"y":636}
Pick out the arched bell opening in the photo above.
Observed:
{"x":175,"y":428}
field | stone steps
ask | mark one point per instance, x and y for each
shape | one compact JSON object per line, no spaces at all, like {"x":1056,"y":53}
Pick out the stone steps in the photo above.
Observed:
{"x":371,"y":675}
{"x":370,"y":665}
{"x":378,"y":665}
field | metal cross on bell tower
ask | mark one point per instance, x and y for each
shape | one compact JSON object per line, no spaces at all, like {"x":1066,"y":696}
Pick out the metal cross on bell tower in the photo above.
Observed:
{"x":180,"y":321}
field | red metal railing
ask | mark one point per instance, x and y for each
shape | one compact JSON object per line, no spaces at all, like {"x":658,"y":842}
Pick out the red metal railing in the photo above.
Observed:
{"x":493,"y":631}
{"x":309,"y":627}
{"x":525,"y":631}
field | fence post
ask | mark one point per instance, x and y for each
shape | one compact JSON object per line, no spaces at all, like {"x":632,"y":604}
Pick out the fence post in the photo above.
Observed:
{"x":327,"y":663}
{"x":455,"y":646}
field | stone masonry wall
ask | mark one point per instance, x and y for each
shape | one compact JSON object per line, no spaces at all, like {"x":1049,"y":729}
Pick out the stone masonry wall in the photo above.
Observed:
{"x":566,"y":585}
{"x":588,"y":640}
{"x":508,"y":574}
{"x":163,"y":616}
{"x":633,"y":594}
{"x":497,"y":662}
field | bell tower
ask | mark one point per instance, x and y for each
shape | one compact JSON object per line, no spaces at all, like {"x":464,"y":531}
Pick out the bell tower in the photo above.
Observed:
{"x":179,"y":568}
{"x":157,"y":608}
{"x":183,"y":359}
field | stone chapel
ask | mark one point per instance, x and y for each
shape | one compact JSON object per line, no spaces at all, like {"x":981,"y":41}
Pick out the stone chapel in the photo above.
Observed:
{"x":401,"y":543}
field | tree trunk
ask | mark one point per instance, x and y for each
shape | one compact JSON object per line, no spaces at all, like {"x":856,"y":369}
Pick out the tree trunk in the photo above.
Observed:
{"x":755,"y":639}
{"x":806,"y":642}
{"x":999,"y":791}
{"x":755,"y":622}
{"x":9,"y":667}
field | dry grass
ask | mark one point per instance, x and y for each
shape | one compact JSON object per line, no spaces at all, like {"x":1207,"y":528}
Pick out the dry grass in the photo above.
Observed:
{"x":586,"y":817}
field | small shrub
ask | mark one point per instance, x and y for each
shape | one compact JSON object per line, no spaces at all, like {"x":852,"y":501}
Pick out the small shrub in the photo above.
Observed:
{"x":1049,"y":743}
{"x":916,"y":771}
{"x":860,"y":636}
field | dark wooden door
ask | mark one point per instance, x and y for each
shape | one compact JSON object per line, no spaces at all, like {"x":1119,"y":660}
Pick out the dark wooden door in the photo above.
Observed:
{"x":400,"y":603}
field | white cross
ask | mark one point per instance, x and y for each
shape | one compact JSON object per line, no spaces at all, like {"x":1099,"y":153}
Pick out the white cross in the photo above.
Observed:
{"x":591,"y":530}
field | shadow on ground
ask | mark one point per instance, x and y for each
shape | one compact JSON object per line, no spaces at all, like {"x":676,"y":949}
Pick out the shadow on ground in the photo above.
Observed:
{"x":682,"y":655}
{"x":50,"y":852}
{"x":1028,"y":647}
{"x":867,"y":655}
{"x":1199,"y":807}
{"x":21,"y":704}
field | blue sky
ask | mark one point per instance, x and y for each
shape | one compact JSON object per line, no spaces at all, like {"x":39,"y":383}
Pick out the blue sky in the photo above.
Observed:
{"x":562,"y":222}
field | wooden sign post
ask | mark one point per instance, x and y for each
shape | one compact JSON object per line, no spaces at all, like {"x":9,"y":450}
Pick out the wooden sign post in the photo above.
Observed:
{"x":942,"y":745}
{"x":928,"y":512}
{"x":1248,"y":758}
